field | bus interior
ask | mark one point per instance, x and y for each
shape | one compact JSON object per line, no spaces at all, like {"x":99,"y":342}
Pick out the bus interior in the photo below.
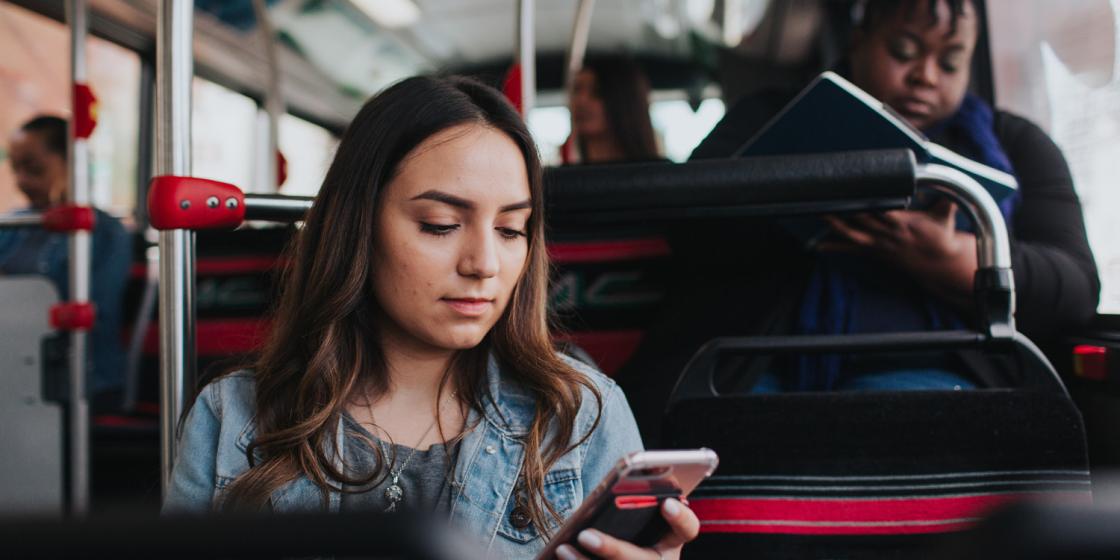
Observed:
{"x":649,"y":262}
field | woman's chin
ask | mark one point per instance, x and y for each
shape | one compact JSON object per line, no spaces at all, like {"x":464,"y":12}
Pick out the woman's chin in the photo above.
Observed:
{"x":461,"y":339}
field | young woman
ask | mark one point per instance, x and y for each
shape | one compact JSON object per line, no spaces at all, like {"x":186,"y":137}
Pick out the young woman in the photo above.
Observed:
{"x":891,"y":271}
{"x":916,"y":56}
{"x":411,"y":364}
{"x":609,"y":104}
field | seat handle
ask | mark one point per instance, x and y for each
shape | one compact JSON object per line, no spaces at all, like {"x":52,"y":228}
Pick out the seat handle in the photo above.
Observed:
{"x":698,"y":378}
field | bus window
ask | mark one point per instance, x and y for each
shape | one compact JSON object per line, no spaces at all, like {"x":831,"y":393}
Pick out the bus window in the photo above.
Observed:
{"x":223,"y":126}
{"x":550,"y":127}
{"x":308,"y":148}
{"x":1059,"y":68}
{"x":35,"y":72}
{"x":679,"y":129}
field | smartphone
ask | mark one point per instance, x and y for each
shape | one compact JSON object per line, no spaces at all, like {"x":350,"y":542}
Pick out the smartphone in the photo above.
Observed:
{"x":627,"y":503}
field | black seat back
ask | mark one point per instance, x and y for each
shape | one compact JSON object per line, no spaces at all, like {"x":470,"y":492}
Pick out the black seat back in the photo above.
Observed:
{"x":861,"y":474}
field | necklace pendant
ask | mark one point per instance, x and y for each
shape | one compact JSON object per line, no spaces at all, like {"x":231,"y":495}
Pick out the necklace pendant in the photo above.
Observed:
{"x":394,"y":493}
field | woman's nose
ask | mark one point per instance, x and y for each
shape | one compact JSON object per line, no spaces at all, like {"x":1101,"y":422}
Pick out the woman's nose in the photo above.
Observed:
{"x":479,"y":255}
{"x":925,"y":71}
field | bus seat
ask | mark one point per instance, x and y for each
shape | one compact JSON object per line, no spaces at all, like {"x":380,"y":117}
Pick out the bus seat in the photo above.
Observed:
{"x":871,"y":475}
{"x":234,"y":285}
{"x":32,"y":463}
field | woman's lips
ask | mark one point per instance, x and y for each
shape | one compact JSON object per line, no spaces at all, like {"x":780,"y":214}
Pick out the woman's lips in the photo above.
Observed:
{"x":470,"y":307}
{"x":914,"y":107}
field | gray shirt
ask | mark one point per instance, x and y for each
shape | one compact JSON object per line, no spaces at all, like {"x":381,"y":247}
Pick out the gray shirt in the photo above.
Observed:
{"x":423,"y":481}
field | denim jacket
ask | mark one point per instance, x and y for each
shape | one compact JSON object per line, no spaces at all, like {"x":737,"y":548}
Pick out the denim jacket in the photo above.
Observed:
{"x":219,"y":428}
{"x":112,"y":254}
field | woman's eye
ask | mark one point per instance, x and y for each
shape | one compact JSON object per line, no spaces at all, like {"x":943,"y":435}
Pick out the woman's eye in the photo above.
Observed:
{"x":950,"y":65}
{"x":510,"y":233}
{"x":903,"y":49}
{"x":438,"y":229}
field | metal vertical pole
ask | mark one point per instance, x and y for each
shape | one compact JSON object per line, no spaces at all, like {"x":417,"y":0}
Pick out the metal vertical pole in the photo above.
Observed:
{"x":77,"y":14}
{"x":527,"y":54}
{"x":174,"y":69}
{"x":273,"y":99}
{"x":577,"y":48}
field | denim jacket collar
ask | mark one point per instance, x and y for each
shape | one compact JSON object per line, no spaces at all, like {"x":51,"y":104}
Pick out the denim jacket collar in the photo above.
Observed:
{"x":486,"y":472}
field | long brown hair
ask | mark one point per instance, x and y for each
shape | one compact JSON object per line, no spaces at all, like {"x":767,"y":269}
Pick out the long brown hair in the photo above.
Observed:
{"x":624,"y":90}
{"x":323,"y":345}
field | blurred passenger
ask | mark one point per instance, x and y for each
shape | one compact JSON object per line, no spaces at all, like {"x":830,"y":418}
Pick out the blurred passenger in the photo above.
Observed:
{"x":915,"y":55}
{"x":418,"y":372}
{"x":38,"y":152}
{"x":609,"y":105}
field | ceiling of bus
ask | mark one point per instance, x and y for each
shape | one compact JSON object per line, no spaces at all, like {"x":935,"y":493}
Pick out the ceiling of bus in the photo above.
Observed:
{"x":362,"y":56}
{"x":335,"y":54}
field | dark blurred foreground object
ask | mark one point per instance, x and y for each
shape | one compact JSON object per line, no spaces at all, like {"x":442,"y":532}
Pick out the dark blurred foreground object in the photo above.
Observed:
{"x":382,"y":536}
{"x":1041,"y":532}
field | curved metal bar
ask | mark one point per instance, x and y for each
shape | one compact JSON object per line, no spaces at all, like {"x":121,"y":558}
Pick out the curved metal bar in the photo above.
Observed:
{"x":697,"y":380}
{"x":994,"y":283}
{"x":77,"y":13}
{"x":28,"y":219}
{"x":174,"y":69}
{"x":277,"y":208}
{"x":993,"y":245}
{"x":527,"y":54}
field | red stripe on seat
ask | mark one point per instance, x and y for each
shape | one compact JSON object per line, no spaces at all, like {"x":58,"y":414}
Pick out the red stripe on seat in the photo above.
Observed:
{"x":218,"y":337}
{"x":607,"y":251}
{"x":610,"y":349}
{"x":838,"y":529}
{"x":219,"y":266}
{"x":117,"y":421}
{"x":863,"y":516}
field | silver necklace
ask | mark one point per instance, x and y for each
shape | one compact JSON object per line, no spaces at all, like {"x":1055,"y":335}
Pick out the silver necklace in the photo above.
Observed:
{"x":394,"y":493}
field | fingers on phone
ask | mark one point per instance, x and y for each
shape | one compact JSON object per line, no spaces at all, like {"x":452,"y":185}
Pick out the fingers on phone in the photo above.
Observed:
{"x":568,"y":552}
{"x":683,"y":522}
{"x":602,"y":545}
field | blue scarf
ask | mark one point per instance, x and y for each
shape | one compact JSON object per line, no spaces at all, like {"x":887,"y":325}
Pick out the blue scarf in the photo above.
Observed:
{"x":846,"y":295}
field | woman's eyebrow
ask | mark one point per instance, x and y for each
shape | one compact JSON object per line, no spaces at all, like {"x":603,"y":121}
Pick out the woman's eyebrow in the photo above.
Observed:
{"x":448,"y":199}
{"x":516,"y":206}
{"x":452,"y":200}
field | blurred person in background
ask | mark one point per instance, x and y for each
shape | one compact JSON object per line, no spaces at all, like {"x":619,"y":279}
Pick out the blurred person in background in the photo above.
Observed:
{"x":905,"y":270}
{"x":609,"y":105}
{"x":38,"y":156}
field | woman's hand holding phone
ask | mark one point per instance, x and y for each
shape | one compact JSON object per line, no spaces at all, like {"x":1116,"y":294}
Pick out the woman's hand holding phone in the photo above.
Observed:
{"x":681,"y":520}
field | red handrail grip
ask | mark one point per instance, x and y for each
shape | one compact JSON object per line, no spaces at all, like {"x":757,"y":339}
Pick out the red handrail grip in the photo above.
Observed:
{"x":69,"y":218}
{"x":281,"y":169}
{"x":511,"y":86}
{"x":192,"y":203}
{"x":72,"y":316}
{"x":85,"y":111}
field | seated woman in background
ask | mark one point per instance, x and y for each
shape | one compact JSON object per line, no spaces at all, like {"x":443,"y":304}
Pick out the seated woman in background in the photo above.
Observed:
{"x":38,"y":156}
{"x":609,"y":106}
{"x":914,"y":55}
{"x":414,"y":368}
